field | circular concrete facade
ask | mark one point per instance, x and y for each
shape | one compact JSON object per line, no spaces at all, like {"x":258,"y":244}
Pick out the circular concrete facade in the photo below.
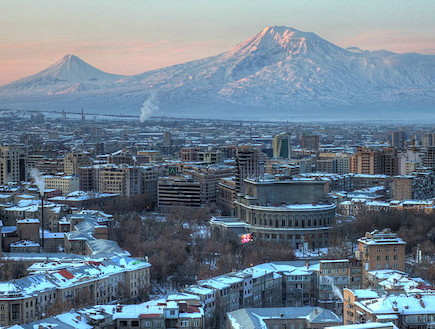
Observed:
{"x":293,"y":224}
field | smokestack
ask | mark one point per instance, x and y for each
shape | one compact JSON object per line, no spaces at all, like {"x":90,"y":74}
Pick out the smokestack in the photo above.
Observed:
{"x":42,"y":222}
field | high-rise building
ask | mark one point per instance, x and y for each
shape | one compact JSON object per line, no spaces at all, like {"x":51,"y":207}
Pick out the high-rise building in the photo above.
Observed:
{"x":429,"y":157}
{"x":409,"y":160}
{"x":365,"y":161}
{"x":249,"y":164}
{"x":428,"y":140}
{"x":310,"y":142}
{"x":281,"y":146}
{"x":398,"y":139}
{"x":389,"y":161}
{"x":13,"y":166}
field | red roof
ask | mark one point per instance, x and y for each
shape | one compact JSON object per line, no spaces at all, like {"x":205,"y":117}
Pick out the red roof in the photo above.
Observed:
{"x":425,"y":287}
{"x":94,"y":263}
{"x":144,"y":316}
{"x":188,"y":308}
{"x":66,"y":274}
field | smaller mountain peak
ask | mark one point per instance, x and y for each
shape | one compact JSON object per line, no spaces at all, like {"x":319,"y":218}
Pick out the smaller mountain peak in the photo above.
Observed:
{"x":68,"y":57}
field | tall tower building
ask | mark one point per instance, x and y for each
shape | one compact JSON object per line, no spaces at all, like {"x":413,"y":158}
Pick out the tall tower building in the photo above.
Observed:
{"x":249,"y":164}
{"x":281,"y":146}
{"x":398,"y":139}
{"x":428,"y":140}
{"x":366,"y":161}
{"x":13,"y":165}
{"x":389,"y":161}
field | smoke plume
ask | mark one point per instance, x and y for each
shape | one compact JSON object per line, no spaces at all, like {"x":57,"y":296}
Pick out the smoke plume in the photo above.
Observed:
{"x":148,"y":107}
{"x":39,"y":180}
{"x":335,"y":290}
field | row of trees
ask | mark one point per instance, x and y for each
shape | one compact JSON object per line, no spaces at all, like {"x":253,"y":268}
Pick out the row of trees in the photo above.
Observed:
{"x":182,"y":249}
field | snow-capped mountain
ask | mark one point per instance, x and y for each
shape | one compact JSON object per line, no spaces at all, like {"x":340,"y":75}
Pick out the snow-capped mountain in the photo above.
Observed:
{"x":278,"y":73}
{"x":69,"y":75}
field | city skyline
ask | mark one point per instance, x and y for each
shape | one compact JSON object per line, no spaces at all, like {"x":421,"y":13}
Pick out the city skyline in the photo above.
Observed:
{"x":144,"y":35}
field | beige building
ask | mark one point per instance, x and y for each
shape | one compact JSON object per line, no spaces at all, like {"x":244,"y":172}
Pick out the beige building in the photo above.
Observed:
{"x":366,"y":161}
{"x":149,"y":156}
{"x":73,"y":161}
{"x":413,"y":186}
{"x":334,"y":275}
{"x":380,"y":250}
{"x":66,"y":184}
{"x":13,"y":166}
{"x":123,"y":180}
{"x":249,"y":164}
{"x":208,"y":177}
{"x":226,"y":195}
{"x":197,"y":154}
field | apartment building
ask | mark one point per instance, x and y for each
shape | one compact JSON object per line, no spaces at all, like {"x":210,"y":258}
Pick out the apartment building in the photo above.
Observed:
{"x":179,"y":191}
{"x":201,"y":155}
{"x":417,"y":185}
{"x":13,"y":164}
{"x":334,"y":275}
{"x":208,"y":177}
{"x":280,"y":317}
{"x":226,"y":195}
{"x":74,"y":160}
{"x":415,"y":311}
{"x":66,"y":184}
{"x":380,"y":250}
{"x":32,"y":297}
{"x":119,"y":179}
{"x":249,"y":164}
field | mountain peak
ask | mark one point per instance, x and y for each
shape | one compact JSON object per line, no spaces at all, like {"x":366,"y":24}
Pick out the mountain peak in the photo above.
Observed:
{"x":279,"y":29}
{"x":68,"y":72}
{"x":283,"y":42}
{"x":69,"y":57}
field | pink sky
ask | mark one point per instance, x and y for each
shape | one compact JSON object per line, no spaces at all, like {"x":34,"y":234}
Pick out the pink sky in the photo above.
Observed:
{"x":139,"y":35}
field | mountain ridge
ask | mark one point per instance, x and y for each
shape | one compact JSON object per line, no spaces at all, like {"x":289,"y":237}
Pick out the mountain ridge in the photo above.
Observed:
{"x":278,"y":69}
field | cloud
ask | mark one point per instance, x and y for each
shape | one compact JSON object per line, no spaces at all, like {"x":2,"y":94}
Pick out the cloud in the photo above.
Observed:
{"x":392,"y":40}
